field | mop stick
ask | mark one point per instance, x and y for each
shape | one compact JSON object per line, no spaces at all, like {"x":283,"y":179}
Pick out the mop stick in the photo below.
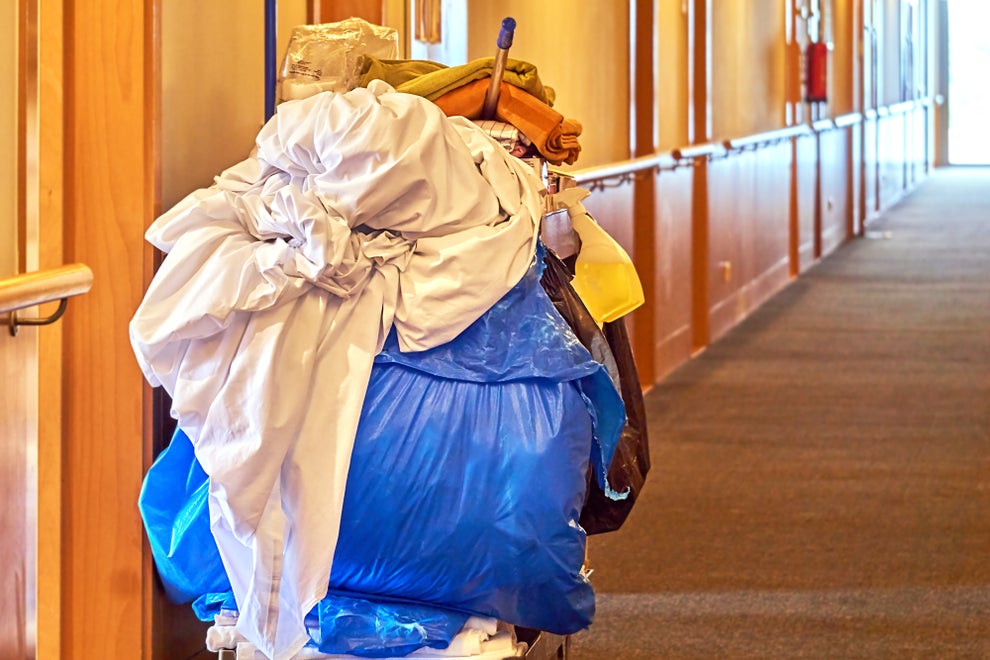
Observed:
{"x":271,"y":65}
{"x":498,"y":68}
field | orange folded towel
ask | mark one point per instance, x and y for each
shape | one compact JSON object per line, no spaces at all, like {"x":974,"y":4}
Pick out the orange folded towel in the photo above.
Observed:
{"x":555,"y":137}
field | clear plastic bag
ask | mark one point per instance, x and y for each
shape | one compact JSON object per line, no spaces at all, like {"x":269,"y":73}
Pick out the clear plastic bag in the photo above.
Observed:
{"x":325,"y":57}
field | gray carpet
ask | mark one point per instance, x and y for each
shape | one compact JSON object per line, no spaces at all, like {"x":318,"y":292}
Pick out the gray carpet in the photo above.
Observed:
{"x":821,"y":475}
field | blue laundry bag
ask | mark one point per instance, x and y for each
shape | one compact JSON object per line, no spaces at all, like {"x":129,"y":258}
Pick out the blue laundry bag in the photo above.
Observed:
{"x":465,"y":486}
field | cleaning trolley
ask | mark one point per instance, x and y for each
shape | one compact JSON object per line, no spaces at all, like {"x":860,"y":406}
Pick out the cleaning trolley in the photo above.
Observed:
{"x":392,"y":340}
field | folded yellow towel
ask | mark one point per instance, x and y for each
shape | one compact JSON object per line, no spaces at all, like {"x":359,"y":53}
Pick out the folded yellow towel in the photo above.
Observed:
{"x":432,"y":79}
{"x":394,"y":72}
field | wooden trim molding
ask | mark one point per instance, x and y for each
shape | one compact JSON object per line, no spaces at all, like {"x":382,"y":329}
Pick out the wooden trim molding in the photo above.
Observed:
{"x":109,"y":111}
{"x":643,"y":105}
{"x":699,"y":152}
{"x":42,"y":116}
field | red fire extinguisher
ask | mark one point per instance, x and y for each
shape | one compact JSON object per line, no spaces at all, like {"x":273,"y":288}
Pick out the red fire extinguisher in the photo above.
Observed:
{"x":816,"y":85}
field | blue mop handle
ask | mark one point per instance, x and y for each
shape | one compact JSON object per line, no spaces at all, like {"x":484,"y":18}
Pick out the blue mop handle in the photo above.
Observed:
{"x":504,"y":42}
{"x":505,"y":34}
{"x":271,"y":64}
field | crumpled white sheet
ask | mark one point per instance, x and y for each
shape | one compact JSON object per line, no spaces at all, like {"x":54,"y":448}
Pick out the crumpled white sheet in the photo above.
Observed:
{"x":355,"y":212}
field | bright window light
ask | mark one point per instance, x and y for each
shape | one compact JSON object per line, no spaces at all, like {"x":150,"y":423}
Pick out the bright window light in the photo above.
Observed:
{"x":969,"y":93}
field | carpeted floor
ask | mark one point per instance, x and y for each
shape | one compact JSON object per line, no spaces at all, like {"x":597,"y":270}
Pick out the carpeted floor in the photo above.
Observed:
{"x":821,"y":475}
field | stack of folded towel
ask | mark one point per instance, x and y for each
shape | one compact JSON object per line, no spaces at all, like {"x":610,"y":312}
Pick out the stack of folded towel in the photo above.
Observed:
{"x":523,"y":100}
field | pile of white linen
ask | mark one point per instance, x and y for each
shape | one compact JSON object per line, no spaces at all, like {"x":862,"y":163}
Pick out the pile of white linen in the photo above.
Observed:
{"x":356,"y":212}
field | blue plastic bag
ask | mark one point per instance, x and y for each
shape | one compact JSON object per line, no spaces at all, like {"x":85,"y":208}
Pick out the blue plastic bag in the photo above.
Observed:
{"x":173,"y":503}
{"x":358,"y":626}
{"x":465,"y":485}
{"x":380,"y":630}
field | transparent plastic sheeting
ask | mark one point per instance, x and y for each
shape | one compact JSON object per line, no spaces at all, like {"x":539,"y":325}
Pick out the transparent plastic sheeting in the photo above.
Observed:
{"x":464,"y":491}
{"x":327,"y":57}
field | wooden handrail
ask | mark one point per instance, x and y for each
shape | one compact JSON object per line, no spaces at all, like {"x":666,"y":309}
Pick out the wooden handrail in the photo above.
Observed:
{"x":851,"y":119}
{"x":902,"y":107}
{"x":822,"y":125}
{"x":767,"y":138}
{"x":705,"y":150}
{"x":626,"y":168}
{"x":30,"y":289}
{"x":670,"y":160}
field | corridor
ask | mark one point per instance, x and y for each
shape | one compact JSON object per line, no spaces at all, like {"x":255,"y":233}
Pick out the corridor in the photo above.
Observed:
{"x":821,"y":475}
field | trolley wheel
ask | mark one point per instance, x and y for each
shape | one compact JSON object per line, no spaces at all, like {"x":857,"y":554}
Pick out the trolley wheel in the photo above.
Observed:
{"x":543,"y":645}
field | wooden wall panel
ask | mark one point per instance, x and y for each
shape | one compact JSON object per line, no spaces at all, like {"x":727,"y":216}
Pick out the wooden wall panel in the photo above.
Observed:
{"x":770,"y":231}
{"x":642,"y":100}
{"x":11,"y":148}
{"x":843,"y":76}
{"x":110,"y":190}
{"x":919,"y":144}
{"x":748,"y":67}
{"x":915,"y":144}
{"x":582,"y":51}
{"x":871,"y":166}
{"x":18,"y":434}
{"x":748,"y":233}
{"x":834,"y":203}
{"x":892,"y":154}
{"x":17,"y":356}
{"x":730,"y":217}
{"x":891,"y":41}
{"x":612,"y":207}
{"x":43,"y":191}
{"x":213,"y":90}
{"x":673,"y":101}
{"x":331,"y":11}
{"x":806,"y":173}
{"x":855,"y":173}
{"x":672,"y":318}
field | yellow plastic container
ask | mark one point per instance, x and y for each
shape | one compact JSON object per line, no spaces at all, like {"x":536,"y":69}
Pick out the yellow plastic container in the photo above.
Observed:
{"x":605,"y":277}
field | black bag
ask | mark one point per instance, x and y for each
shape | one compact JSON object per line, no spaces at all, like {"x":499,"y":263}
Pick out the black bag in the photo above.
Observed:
{"x":610,"y":346}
